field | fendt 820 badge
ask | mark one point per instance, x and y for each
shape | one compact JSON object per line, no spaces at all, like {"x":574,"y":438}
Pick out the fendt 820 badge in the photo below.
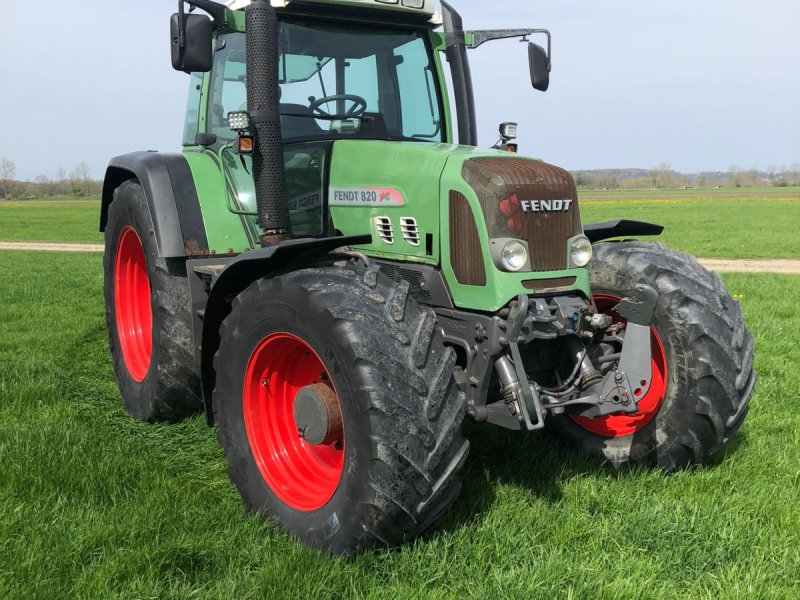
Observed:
{"x":338,"y":274}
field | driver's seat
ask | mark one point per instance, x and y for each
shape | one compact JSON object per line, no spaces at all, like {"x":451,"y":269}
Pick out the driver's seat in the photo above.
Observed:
{"x":298,"y":127}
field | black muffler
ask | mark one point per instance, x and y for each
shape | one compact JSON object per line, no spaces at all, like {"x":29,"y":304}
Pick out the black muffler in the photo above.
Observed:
{"x":263,"y":104}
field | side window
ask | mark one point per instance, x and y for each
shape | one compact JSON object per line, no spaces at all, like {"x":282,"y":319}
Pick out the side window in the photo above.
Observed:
{"x":228,"y":91}
{"x":305,"y":168}
{"x":361,"y":79}
{"x":414,"y":72}
{"x":192,"y":124}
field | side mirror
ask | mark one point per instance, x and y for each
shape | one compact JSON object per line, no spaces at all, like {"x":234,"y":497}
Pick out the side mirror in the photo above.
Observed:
{"x":539,"y":66}
{"x":191,"y":43}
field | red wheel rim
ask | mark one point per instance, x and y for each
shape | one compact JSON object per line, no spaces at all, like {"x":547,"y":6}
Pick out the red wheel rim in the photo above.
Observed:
{"x":132,"y":308}
{"x":302,"y":475}
{"x":622,"y":425}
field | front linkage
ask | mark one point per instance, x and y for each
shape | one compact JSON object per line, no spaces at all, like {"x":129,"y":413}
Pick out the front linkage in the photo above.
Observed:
{"x":494,"y":349}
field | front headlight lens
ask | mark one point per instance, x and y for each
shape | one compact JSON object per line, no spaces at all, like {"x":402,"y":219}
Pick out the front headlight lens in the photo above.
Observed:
{"x":514,"y":256}
{"x":580,"y":251}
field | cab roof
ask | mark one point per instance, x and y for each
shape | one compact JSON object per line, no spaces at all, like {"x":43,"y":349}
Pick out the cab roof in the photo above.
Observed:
{"x":412,"y":8}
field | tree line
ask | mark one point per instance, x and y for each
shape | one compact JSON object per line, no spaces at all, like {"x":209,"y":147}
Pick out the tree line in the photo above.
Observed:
{"x":76,"y":183}
{"x":664,"y":176}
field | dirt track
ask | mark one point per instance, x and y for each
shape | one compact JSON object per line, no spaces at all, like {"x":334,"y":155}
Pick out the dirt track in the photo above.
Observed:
{"x":744,"y":265}
{"x":51,"y":247}
{"x":724,"y":265}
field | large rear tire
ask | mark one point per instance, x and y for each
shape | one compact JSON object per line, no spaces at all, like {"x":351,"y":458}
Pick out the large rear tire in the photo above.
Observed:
{"x":148,"y":314}
{"x":388,"y":473}
{"x":703,"y":374}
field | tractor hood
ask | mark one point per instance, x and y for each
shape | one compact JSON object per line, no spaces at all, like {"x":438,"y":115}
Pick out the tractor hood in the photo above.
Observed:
{"x":392,"y":188}
{"x":455,"y":206}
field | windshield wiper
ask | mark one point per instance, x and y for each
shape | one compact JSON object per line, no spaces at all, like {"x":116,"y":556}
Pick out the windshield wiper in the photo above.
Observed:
{"x":362,"y":118}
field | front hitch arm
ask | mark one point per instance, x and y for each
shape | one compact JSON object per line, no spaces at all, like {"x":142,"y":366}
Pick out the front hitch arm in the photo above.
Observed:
{"x":629,"y":382}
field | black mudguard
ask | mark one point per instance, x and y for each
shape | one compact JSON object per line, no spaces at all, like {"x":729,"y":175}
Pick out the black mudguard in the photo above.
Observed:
{"x":171,"y":197}
{"x":626,"y":228}
{"x":238,"y":274}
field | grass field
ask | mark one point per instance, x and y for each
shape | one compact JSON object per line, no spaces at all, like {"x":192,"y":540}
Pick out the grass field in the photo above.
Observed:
{"x":755,"y":224}
{"x":707,"y":193}
{"x":94,"y":504}
{"x":51,"y":221}
{"x":744,"y":223}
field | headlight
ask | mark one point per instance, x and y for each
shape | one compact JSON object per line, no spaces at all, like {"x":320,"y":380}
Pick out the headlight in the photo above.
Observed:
{"x":239,"y":120}
{"x":514,"y":256}
{"x":580,"y":251}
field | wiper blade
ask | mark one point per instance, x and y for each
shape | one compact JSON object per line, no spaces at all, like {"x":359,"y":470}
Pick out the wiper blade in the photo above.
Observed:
{"x":363,"y":118}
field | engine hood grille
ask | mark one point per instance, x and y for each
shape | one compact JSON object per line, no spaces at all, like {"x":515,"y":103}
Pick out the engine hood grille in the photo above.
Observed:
{"x":528,"y":200}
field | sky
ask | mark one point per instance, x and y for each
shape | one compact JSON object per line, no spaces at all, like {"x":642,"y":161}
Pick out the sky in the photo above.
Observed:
{"x":698,"y":84}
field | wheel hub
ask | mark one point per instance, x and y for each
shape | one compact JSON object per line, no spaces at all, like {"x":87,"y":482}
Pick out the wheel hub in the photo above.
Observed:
{"x":317,"y":415}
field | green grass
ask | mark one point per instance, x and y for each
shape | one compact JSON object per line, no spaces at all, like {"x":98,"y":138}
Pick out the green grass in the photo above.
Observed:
{"x":757,"y":226}
{"x":51,"y":221}
{"x":744,"y":192}
{"x":94,"y":504}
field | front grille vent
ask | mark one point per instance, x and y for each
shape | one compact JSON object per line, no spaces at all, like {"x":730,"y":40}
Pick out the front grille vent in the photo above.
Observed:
{"x":383,"y":226}
{"x":410,"y":230}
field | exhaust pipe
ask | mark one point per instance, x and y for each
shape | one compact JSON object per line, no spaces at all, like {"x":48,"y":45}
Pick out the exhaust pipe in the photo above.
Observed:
{"x":263,"y":104}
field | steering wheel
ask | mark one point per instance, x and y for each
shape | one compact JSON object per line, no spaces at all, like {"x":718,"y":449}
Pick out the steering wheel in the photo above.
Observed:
{"x":358,"y":108}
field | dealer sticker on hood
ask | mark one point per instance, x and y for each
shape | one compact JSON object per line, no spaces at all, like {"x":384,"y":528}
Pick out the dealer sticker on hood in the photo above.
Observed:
{"x":373,"y":196}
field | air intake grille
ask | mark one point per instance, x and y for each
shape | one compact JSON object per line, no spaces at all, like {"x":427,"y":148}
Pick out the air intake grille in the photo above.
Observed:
{"x":383,"y":226}
{"x":528,"y":200}
{"x":466,"y":256}
{"x":408,"y":225}
{"x":415,"y":279}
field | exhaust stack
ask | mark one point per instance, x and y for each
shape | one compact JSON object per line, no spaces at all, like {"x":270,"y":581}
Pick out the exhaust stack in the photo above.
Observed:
{"x":263,"y":104}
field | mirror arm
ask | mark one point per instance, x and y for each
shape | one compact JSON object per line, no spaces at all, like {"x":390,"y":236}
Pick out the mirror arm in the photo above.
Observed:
{"x":488,"y":35}
{"x":215,"y":9}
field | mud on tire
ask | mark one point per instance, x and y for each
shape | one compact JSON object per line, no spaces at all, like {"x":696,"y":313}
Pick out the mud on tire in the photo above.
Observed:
{"x":401,"y":408}
{"x":169,"y":386}
{"x":709,"y":359}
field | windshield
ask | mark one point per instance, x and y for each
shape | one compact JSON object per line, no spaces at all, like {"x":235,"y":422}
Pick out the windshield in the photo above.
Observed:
{"x":338,"y":82}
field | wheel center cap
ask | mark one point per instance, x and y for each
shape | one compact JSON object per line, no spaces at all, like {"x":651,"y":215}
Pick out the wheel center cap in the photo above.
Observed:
{"x":317,"y":414}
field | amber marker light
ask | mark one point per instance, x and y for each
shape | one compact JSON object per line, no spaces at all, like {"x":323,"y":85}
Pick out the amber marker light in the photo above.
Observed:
{"x":246,"y":144}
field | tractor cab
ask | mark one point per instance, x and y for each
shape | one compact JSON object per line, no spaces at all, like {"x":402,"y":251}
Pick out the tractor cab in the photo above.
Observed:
{"x":350,"y":81}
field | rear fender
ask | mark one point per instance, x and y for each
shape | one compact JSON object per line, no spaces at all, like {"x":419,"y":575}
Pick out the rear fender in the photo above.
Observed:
{"x":171,"y":197}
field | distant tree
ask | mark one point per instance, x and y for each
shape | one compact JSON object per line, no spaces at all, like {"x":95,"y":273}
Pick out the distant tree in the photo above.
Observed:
{"x":751,"y":177}
{"x":609,"y":182}
{"x":735,"y":176}
{"x":61,"y":181}
{"x":7,"y":171}
{"x":794,"y":174}
{"x":582,"y":180}
{"x":80,"y":180}
{"x":45,"y":186}
{"x":663,"y":176}
{"x":771,"y":174}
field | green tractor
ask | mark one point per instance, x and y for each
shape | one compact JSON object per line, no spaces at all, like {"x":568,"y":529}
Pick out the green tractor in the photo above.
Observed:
{"x":339,"y":284}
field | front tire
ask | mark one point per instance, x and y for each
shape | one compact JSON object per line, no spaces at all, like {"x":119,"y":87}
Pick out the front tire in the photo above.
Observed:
{"x":703,"y":374}
{"x":148,"y":314}
{"x":389,"y":474}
